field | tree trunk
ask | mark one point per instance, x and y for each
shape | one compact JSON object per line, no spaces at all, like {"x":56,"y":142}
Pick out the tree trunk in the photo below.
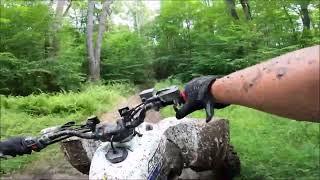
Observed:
{"x":59,"y":8}
{"x":232,"y":8}
{"x":56,"y":27}
{"x":102,"y":27}
{"x":137,"y":16}
{"x":94,"y":72}
{"x":292,"y":25}
{"x":94,"y":53}
{"x":67,"y":10}
{"x":305,"y":14}
{"x":246,"y":9}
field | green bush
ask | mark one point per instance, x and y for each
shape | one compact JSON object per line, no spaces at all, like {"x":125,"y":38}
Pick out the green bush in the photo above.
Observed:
{"x":126,"y":57}
{"x":21,"y":77}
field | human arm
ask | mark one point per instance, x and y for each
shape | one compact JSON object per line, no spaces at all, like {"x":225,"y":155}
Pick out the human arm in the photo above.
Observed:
{"x":287,"y":86}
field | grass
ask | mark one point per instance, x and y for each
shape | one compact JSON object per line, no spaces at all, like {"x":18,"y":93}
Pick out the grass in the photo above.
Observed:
{"x":270,"y":147}
{"x":26,"y":116}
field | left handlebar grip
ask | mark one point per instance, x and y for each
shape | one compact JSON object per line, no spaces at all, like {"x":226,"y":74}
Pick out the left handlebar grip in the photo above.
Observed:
{"x":15,"y":146}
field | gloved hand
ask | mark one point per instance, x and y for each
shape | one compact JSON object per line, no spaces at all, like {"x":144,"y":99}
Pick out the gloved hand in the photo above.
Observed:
{"x":197,"y":96}
{"x":14,"y":146}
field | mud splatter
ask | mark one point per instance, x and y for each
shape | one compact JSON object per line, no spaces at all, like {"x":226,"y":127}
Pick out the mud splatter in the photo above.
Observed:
{"x":289,"y":61}
{"x":311,"y":61}
{"x":268,"y":71}
{"x":257,"y":77}
{"x":247,"y":85}
{"x":281,"y":72}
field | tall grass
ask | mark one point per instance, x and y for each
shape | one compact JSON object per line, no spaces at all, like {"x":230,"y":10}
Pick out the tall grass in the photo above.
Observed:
{"x":26,"y":116}
{"x":270,"y":147}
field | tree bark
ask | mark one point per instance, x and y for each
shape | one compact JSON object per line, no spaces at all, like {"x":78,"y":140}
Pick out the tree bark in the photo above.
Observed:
{"x":246,"y":9}
{"x":56,"y":26}
{"x":232,"y":8}
{"x":94,"y":53}
{"x":286,"y":11}
{"x":305,"y":14}
{"x":60,"y":6}
{"x":137,"y":16}
{"x":67,"y":10}
{"x":102,"y":27}
{"x":94,"y":73}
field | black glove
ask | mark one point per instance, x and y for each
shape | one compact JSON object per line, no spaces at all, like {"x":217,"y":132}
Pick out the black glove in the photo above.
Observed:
{"x":14,"y":146}
{"x":197,"y":96}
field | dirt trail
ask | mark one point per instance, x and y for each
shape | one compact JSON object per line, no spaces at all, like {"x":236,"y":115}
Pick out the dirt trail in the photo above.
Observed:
{"x":151,"y":116}
{"x":57,"y":168}
{"x":48,"y":168}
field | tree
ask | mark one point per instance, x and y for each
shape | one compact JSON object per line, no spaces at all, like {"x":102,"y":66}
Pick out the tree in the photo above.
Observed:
{"x":245,"y":6}
{"x":53,"y":42}
{"x":232,"y":8}
{"x":94,"y":52}
{"x":304,"y":13}
{"x":246,"y":9}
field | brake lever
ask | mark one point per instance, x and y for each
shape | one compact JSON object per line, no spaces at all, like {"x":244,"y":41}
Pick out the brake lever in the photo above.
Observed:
{"x":68,"y":124}
{"x":209,"y":111}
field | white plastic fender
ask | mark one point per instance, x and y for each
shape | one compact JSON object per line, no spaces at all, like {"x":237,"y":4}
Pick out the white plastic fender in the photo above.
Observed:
{"x":140,"y":151}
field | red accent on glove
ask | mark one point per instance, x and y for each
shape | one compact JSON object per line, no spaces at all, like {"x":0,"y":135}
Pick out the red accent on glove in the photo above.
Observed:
{"x":183,"y":95}
{"x":34,"y":147}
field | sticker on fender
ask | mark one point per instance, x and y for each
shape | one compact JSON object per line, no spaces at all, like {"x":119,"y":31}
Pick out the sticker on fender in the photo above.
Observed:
{"x":155,"y":164}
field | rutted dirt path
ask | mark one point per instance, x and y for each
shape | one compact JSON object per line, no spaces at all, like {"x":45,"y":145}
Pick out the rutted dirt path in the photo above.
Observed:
{"x":56,"y":167}
{"x":151,"y":116}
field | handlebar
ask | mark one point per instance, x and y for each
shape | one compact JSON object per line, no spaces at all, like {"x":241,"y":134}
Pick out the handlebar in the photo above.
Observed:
{"x":122,"y":131}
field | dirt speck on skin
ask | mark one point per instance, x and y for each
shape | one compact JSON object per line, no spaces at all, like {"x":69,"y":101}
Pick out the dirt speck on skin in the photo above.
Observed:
{"x":281,"y":72}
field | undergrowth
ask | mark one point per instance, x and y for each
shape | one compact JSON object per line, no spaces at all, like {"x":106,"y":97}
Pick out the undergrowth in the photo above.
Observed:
{"x":26,"y":116}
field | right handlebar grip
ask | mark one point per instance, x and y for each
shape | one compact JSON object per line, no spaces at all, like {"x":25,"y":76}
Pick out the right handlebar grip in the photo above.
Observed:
{"x":15,"y":146}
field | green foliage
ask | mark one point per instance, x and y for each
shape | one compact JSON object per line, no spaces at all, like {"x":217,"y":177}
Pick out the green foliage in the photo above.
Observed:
{"x":270,"y":147}
{"x":23,"y":116}
{"x":125,"y":57}
{"x":196,"y":39}
{"x":21,"y":77}
{"x":24,"y":30}
{"x":25,"y":64}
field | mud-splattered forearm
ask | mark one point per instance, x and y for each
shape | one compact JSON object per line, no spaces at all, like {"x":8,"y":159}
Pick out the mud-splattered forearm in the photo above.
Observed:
{"x":287,"y":85}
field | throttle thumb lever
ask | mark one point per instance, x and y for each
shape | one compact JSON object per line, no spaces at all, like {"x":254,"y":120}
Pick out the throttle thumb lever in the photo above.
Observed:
{"x":209,"y":111}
